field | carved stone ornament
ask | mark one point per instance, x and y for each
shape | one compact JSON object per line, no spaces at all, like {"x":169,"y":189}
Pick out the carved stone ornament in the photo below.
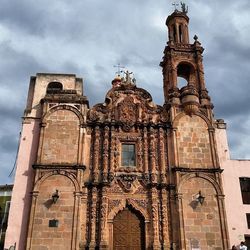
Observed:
{"x":204,"y":94}
{"x":112,"y":204}
{"x":174,"y":92}
{"x":115,"y":189}
{"x":139,"y":202}
{"x":93,"y":115}
{"x":126,"y":105}
{"x":127,"y":113}
{"x":126,"y":182}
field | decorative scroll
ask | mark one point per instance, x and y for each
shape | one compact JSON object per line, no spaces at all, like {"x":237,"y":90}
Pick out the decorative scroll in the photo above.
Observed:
{"x":141,"y":203}
{"x":115,"y":189}
{"x":112,"y":204}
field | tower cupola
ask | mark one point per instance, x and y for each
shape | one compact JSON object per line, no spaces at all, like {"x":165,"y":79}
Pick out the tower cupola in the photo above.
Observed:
{"x":177,"y":24}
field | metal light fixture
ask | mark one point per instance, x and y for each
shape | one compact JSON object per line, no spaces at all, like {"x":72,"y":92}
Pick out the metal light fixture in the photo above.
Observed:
{"x":200,"y":198}
{"x":55,"y":196}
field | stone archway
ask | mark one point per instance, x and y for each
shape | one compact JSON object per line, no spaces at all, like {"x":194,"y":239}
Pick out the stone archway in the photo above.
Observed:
{"x":128,"y":230}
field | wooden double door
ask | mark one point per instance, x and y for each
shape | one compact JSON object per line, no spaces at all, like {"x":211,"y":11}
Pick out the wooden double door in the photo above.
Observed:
{"x":129,"y":230}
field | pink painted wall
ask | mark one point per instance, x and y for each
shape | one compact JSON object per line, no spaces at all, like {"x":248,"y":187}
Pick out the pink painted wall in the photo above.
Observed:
{"x":233,"y":170}
{"x":21,"y":198}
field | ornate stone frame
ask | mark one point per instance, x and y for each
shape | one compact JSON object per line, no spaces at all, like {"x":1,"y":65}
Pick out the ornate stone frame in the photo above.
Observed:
{"x":129,"y":140}
{"x":119,"y":206}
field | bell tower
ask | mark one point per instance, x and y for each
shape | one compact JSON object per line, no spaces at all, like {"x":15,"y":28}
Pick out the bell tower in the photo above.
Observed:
{"x":182,"y":62}
{"x":195,"y":191}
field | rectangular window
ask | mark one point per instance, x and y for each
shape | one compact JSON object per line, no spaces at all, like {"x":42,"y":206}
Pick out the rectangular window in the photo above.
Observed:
{"x":248,"y":220}
{"x":245,"y":189}
{"x":128,"y":155}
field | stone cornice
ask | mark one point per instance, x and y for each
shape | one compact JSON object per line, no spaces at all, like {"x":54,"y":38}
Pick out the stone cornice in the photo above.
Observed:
{"x":193,"y":170}
{"x":58,"y":166}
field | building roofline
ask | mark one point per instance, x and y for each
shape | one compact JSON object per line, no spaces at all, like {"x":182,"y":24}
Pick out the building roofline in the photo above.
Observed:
{"x":6,"y":187}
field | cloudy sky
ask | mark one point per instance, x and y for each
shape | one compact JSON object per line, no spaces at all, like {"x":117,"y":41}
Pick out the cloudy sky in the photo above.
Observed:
{"x":88,"y":37}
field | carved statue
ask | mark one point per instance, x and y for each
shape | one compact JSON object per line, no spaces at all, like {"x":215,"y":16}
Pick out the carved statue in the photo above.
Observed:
{"x":128,"y":78}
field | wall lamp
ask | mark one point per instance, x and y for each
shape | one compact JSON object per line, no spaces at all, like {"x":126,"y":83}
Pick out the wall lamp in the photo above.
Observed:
{"x":55,"y":196}
{"x":200,"y":198}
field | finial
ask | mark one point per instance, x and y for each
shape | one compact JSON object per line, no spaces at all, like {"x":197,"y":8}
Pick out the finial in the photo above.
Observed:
{"x":119,"y":67}
{"x":175,"y":6}
{"x":184,"y":8}
{"x":195,"y":37}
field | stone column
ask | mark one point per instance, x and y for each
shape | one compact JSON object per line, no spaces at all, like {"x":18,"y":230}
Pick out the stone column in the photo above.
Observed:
{"x":140,"y":155}
{"x":180,"y":212}
{"x":93,"y":219}
{"x":96,"y":151}
{"x":145,"y":150}
{"x":165,"y":220}
{"x":152,"y":155}
{"x":40,"y":147}
{"x":155,"y":219}
{"x":162,"y":161}
{"x":105,"y":155}
{"x":213,"y":147}
{"x":80,"y":145}
{"x":76,"y":222}
{"x":103,"y":220}
{"x":177,"y":33}
{"x":200,"y":70}
{"x":174,"y":76}
{"x":83,"y":218}
{"x":112,"y":149}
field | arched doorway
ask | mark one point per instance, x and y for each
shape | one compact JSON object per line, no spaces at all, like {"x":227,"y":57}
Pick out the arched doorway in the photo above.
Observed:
{"x":129,"y":230}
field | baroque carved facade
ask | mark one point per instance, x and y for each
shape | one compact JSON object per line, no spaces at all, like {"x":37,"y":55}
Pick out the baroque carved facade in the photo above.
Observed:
{"x":168,"y":197}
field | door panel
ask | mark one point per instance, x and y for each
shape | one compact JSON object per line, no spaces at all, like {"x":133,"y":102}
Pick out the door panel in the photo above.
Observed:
{"x":129,"y":233}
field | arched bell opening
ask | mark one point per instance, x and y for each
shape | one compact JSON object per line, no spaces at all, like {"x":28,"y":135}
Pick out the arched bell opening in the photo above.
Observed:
{"x":54,"y":87}
{"x":185,"y":74}
{"x":128,"y":229}
{"x":180,"y":33}
{"x":181,"y":82}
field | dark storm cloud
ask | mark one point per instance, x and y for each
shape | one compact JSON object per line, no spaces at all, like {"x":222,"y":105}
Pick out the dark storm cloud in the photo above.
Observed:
{"x":8,"y":143}
{"x":88,"y":37}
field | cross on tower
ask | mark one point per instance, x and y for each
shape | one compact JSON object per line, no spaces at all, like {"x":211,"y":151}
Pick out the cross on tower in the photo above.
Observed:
{"x":175,"y":5}
{"x":119,"y":67}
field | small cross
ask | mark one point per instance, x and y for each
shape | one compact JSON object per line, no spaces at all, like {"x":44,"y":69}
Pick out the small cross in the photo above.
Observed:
{"x":119,"y":67}
{"x":175,"y":5}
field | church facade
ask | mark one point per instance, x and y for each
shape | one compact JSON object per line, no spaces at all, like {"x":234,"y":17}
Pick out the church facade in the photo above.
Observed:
{"x":126,"y":173}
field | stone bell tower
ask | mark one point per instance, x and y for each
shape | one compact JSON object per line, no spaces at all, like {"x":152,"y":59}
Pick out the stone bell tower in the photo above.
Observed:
{"x":196,"y":195}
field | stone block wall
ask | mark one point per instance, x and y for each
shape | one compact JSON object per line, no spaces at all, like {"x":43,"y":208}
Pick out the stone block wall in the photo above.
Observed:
{"x":193,"y":142}
{"x":61,"y":138}
{"x":60,"y":237}
{"x":201,"y":221}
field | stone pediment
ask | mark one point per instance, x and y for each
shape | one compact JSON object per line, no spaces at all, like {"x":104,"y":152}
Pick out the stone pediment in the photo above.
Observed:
{"x":127,"y":105}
